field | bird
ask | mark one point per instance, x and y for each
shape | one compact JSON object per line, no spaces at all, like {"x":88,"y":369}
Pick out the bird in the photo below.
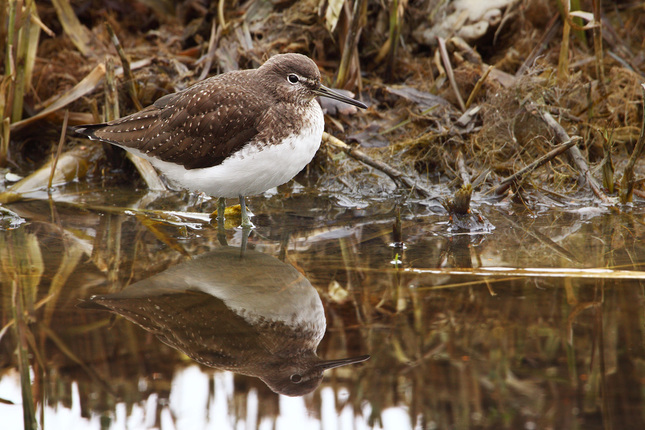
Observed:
{"x":236,"y":134}
{"x":247,"y":313}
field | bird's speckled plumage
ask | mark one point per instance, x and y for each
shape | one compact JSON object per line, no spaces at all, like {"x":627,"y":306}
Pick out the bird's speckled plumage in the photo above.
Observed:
{"x":239,"y":133}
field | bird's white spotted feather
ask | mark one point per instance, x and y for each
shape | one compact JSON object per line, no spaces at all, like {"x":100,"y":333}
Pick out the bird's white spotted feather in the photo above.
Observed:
{"x":255,"y":168}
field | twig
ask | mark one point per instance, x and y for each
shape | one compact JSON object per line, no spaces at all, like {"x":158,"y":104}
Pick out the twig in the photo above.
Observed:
{"x":220,"y":14}
{"x":127,"y":71}
{"x":561,"y":136}
{"x":5,"y":133}
{"x":521,"y":174}
{"x":461,"y":168}
{"x":597,"y":47}
{"x":212,"y":44}
{"x":397,"y":176}
{"x":449,"y":72}
{"x":63,"y":133}
{"x":478,"y":87}
{"x":110,"y":91}
{"x":563,"y":60}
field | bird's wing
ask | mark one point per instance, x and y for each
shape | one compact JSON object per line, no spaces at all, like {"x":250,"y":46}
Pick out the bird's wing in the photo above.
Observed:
{"x":197,"y":127}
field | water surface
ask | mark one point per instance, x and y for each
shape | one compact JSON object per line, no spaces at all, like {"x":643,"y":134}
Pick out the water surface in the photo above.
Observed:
{"x":536,"y":323}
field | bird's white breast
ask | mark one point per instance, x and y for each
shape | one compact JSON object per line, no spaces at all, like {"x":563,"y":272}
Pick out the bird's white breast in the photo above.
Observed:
{"x":254,"y":169}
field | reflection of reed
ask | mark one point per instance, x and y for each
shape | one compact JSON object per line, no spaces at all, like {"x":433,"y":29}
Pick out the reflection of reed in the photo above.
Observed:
{"x":27,"y":264}
{"x":543,"y":352}
{"x":245,"y":312}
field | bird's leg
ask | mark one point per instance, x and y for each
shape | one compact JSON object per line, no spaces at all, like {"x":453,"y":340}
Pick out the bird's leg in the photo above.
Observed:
{"x":246,"y":232}
{"x":221,"y":208}
{"x":246,"y":222}
{"x":221,"y":231}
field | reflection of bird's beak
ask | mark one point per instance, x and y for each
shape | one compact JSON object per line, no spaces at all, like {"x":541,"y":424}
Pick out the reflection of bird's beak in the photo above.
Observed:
{"x":323,"y":91}
{"x":330,"y":364}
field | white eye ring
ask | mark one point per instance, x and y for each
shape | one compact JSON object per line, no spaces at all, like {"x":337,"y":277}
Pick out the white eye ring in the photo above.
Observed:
{"x":295,"y":378}
{"x":293,"y":78}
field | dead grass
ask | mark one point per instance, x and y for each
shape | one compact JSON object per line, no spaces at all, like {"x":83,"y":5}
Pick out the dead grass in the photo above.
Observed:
{"x":501,"y":138}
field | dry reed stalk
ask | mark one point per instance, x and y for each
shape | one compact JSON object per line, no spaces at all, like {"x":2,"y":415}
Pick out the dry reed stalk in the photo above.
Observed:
{"x":131,"y":83}
{"x":627,"y":182}
{"x":59,"y":150}
{"x":449,"y":72}
{"x":349,"y":48}
{"x":520,"y":175}
{"x":478,"y":87}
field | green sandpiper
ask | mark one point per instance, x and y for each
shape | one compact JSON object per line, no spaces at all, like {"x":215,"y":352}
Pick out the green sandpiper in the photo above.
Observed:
{"x":232,"y":135}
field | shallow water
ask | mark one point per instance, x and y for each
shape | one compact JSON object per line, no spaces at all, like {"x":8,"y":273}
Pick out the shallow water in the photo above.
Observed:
{"x":126,"y":318}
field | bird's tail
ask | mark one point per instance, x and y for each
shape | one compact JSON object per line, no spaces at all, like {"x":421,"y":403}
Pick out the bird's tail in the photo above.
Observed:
{"x":89,"y":130}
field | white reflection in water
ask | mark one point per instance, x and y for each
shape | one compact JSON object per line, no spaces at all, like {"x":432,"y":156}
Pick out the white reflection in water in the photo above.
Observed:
{"x":10,"y":390}
{"x":190,"y":409}
{"x":57,"y":417}
{"x":293,"y":414}
{"x":189,"y":398}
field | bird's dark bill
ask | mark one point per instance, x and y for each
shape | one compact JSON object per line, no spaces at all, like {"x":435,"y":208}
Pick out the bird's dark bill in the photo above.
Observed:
{"x":323,"y":91}
{"x":330,"y":364}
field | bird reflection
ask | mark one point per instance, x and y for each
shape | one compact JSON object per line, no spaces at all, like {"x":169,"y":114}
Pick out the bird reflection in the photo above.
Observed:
{"x":248,"y":313}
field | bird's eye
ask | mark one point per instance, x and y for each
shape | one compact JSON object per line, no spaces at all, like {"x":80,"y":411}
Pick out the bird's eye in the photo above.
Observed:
{"x":295,"y":378}
{"x":293,"y":79}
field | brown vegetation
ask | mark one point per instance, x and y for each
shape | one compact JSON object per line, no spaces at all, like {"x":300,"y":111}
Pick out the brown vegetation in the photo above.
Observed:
{"x":415,"y":63}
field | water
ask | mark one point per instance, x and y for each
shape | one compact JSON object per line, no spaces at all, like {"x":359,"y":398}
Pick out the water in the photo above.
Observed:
{"x":536,"y":324}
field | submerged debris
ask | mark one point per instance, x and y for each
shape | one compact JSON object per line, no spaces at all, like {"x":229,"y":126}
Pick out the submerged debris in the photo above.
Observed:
{"x":10,"y":220}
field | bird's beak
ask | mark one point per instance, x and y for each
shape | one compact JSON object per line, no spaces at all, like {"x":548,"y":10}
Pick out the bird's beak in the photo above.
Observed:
{"x":330,"y":364}
{"x":323,"y":91}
